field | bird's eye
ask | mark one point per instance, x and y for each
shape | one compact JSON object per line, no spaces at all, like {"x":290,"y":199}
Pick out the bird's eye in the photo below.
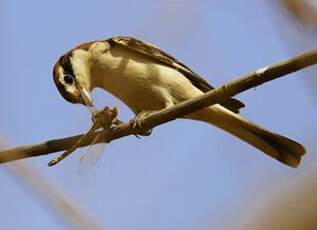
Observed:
{"x":69,"y":79}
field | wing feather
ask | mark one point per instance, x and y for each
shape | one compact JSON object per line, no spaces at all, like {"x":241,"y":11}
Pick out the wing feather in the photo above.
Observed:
{"x":159,"y":55}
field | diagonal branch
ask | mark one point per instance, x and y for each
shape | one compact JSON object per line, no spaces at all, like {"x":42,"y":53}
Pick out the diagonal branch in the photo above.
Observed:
{"x":212,"y":97}
{"x":56,"y":199}
{"x":59,"y":202}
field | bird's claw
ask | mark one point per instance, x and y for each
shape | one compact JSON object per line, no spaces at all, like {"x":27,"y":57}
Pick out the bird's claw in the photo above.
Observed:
{"x":136,"y":125}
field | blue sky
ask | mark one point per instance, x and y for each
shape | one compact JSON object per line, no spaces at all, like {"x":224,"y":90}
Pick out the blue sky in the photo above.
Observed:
{"x":186,"y":175}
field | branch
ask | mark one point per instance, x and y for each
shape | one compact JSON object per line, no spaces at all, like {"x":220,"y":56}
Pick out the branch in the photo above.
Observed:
{"x":304,"y":11}
{"x":212,"y":97}
{"x":56,"y":199}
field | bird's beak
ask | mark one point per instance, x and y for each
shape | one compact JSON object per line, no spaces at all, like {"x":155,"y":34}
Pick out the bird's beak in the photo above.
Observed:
{"x":86,"y":98}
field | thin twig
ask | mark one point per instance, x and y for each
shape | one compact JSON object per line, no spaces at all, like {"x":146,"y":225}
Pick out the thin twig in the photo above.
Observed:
{"x":212,"y":97}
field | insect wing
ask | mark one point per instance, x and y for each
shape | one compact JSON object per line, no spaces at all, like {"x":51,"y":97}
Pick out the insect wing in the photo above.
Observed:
{"x":91,"y":156}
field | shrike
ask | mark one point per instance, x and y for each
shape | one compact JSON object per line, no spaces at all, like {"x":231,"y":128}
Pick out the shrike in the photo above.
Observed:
{"x":147,"y":79}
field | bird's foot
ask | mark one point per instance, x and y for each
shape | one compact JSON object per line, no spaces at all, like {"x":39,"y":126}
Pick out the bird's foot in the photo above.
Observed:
{"x":136,"y":124}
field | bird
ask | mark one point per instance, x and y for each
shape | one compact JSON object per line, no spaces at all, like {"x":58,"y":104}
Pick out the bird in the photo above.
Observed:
{"x":147,"y":79}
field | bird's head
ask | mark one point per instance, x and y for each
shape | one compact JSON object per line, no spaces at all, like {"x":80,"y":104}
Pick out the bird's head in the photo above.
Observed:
{"x":74,"y":72}
{"x":72,"y":76}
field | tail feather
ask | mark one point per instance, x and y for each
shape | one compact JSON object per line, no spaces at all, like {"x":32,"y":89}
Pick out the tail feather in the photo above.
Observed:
{"x":281,"y":148}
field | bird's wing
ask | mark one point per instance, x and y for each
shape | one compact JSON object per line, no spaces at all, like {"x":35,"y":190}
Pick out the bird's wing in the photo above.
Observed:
{"x":156,"y":53}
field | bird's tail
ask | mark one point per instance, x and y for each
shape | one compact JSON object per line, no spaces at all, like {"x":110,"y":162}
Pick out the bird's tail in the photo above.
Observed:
{"x":281,"y":148}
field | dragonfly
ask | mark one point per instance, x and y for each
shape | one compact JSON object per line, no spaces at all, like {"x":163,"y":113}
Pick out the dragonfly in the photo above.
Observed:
{"x":103,"y":120}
